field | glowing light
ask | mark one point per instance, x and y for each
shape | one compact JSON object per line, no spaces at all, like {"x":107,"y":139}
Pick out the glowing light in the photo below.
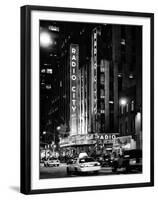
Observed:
{"x":138,"y":116}
{"x":119,"y":75}
{"x":54,"y":28}
{"x":131,"y":76}
{"x":45,"y":39}
{"x":123,"y":102}
{"x":58,"y":128}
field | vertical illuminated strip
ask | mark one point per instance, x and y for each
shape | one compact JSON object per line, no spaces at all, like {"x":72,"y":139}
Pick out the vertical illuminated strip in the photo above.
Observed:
{"x":80,"y":105}
{"x":94,"y":77}
{"x":83,"y":100}
{"x":74,"y":90}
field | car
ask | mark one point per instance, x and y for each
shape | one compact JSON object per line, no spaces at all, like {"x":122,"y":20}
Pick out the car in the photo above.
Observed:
{"x":129,"y":161}
{"x":52,"y":162}
{"x":107,"y":161}
{"x":104,"y":160}
{"x":83,"y":165}
{"x":69,"y":161}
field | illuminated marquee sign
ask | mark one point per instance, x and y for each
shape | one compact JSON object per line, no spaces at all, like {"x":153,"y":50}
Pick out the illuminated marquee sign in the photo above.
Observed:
{"x":107,"y":138}
{"x":74,"y":53}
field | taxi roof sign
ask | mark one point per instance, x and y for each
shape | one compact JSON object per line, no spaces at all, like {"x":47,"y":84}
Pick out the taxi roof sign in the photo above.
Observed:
{"x":81,"y":155}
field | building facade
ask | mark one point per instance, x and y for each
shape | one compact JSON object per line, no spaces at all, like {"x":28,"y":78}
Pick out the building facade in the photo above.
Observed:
{"x":92,"y":69}
{"x":129,"y":60}
{"x":93,"y":106}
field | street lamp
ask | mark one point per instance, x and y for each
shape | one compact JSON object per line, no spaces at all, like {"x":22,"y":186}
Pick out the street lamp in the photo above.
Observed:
{"x":123,"y":101}
{"x":45,"y":39}
{"x":44,"y":132}
{"x":58,"y":128}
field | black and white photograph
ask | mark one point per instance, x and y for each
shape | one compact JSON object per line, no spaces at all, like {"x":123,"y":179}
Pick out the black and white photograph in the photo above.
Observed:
{"x":87,"y":99}
{"x":90,"y":99}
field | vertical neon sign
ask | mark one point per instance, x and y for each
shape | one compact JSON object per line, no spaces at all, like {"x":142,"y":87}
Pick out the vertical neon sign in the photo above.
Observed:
{"x":74,"y":54}
{"x":94,"y":78}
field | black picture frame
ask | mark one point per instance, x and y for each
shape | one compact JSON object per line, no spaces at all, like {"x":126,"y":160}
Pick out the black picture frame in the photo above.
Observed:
{"x":25,"y":149}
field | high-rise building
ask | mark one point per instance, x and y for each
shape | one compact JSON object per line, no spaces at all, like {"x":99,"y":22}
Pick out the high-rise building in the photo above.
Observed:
{"x":92,"y":81}
{"x":128,"y":41}
{"x":104,"y":93}
{"x":49,"y":82}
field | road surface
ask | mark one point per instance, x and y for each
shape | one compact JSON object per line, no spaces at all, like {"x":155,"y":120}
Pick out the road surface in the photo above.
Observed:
{"x":60,"y":172}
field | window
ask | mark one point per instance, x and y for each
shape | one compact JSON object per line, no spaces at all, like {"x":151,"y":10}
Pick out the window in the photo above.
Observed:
{"x":127,"y":107}
{"x":95,"y":86}
{"x":49,"y":71}
{"x":43,"y":70}
{"x":123,"y":45}
{"x":121,"y":109}
{"x":102,"y":69}
{"x":102,"y":93}
{"x":131,"y":76}
{"x":102,"y":79}
{"x":132,"y":105}
{"x":102,"y":106}
{"x":123,"y":41}
{"x":48,"y":86}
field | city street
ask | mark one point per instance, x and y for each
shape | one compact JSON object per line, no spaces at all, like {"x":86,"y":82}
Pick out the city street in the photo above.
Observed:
{"x":89,"y":103}
{"x":60,"y":172}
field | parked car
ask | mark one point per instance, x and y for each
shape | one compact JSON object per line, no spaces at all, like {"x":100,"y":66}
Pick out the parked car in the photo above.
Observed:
{"x":52,"y":162}
{"x":81,"y":165}
{"x":129,"y":161}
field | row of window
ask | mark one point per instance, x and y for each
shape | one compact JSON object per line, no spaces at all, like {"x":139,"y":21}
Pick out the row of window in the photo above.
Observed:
{"x":46,"y":86}
{"x":47,"y":71}
{"x":127,"y":108}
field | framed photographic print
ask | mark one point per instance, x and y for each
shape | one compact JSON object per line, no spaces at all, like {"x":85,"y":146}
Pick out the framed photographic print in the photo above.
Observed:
{"x":87,"y":99}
